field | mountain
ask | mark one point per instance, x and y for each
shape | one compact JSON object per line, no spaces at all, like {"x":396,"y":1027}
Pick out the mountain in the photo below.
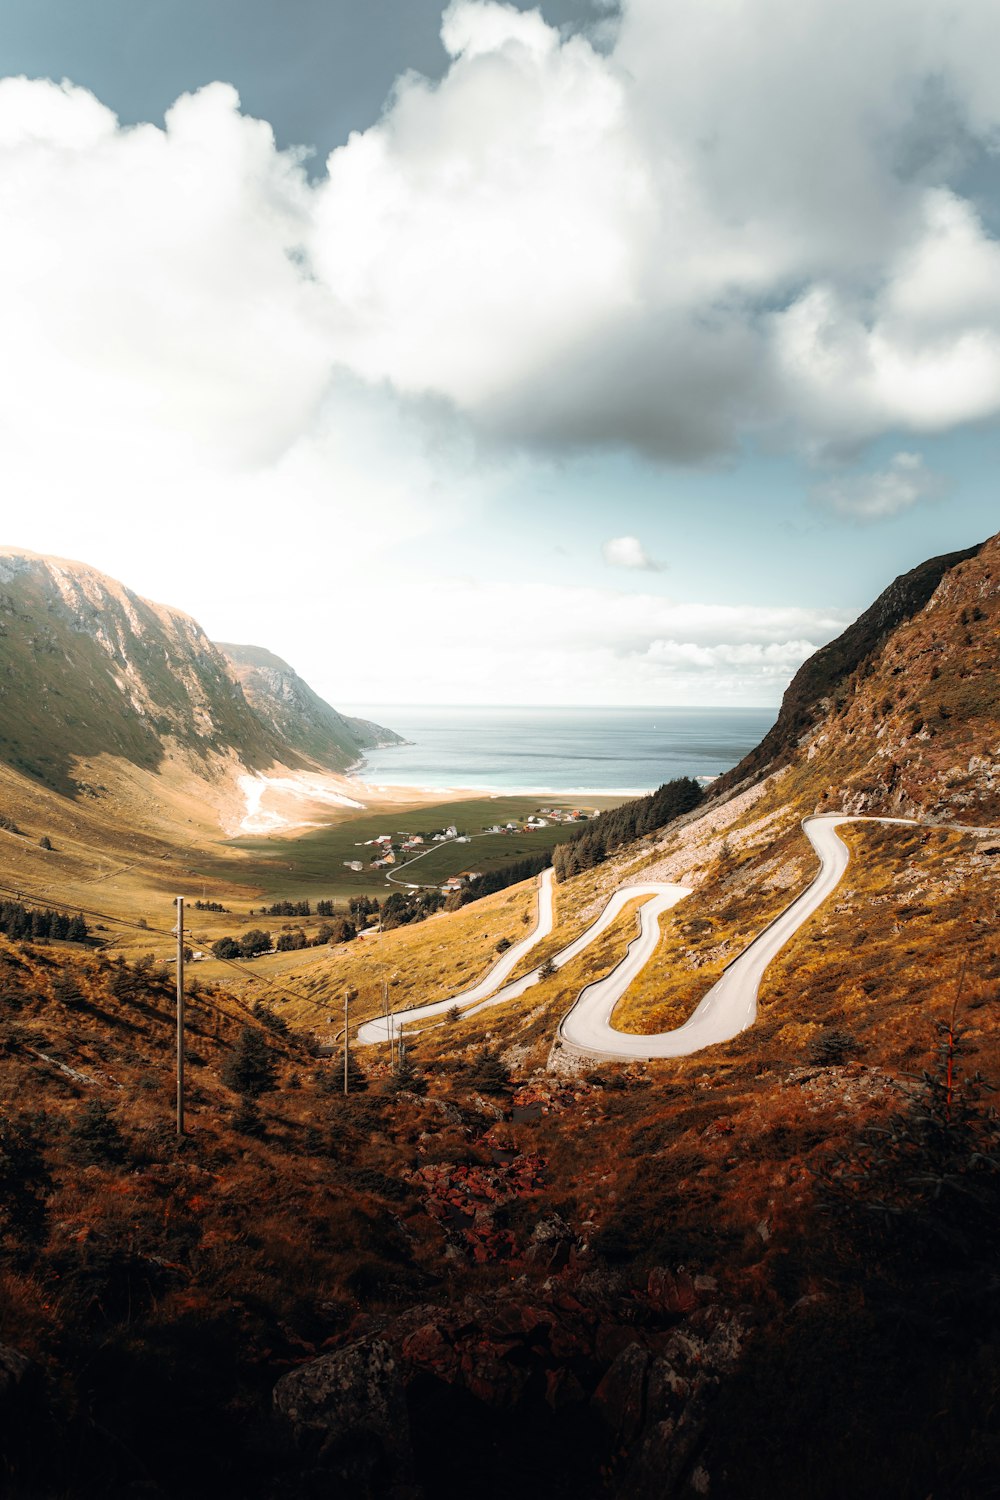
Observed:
{"x":90,"y":669}
{"x":297,"y":715}
{"x":643,"y":1280}
{"x":901,"y":713}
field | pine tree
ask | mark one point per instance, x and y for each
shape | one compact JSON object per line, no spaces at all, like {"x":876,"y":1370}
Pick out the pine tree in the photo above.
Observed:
{"x":247,"y":1119}
{"x":250,"y":1067}
{"x":405,"y":1078}
{"x":490,"y":1073}
{"x":95,"y":1136}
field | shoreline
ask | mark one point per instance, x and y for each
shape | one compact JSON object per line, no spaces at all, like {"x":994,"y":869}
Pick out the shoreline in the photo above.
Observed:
{"x":296,"y":803}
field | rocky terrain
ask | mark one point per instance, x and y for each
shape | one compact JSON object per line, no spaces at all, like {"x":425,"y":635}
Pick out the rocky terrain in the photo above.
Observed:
{"x":901,"y":713}
{"x":764,"y":1270}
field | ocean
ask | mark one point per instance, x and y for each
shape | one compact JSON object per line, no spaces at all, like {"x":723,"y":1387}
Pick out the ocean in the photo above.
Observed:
{"x":612,"y":751}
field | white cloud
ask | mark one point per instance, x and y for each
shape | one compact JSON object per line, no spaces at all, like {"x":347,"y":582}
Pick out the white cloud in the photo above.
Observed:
{"x":885,"y":492}
{"x":628,"y":552}
{"x":566,"y":645}
{"x":733,"y":220}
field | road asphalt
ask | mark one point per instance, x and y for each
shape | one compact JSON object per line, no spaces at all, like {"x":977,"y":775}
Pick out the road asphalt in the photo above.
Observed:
{"x":729,"y":1007}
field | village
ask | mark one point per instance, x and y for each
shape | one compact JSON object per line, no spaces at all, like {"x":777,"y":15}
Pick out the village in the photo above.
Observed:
{"x":402,"y":848}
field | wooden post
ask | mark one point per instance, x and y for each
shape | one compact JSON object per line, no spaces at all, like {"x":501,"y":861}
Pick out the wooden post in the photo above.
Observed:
{"x":346,"y":994}
{"x":180,"y":1015}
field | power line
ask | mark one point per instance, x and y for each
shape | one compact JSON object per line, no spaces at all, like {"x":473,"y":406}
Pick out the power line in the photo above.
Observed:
{"x":104,"y":916}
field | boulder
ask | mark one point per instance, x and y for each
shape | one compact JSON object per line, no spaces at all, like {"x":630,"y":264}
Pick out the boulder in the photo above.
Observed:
{"x":348,"y":1409}
{"x":15,"y":1369}
{"x":621,"y":1396}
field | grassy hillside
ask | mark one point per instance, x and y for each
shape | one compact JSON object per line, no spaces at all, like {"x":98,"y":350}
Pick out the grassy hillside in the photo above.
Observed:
{"x":623,"y":1223}
{"x":297,"y":716}
{"x":646,"y":1281}
{"x":89,"y":669}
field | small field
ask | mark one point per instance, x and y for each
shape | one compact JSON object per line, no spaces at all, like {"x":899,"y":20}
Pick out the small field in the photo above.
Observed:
{"x":311,"y":865}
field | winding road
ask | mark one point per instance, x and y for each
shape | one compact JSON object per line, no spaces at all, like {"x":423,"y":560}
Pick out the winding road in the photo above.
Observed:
{"x":729,"y":1007}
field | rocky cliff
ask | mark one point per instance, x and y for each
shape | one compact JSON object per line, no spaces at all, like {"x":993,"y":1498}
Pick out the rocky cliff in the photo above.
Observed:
{"x":88,"y":668}
{"x":902,"y":712}
{"x":297,"y":715}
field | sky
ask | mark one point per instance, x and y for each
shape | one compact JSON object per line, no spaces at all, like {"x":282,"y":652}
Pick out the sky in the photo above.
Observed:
{"x":470,"y":353}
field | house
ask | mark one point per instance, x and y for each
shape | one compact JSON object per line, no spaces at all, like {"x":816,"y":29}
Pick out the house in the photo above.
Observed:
{"x":463,"y":838}
{"x":451,"y":832}
{"x":354,"y":864}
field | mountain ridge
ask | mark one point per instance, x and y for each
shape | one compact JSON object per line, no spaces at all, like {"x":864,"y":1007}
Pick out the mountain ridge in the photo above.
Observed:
{"x":297,"y":714}
{"x":882,"y":678}
{"x":89,"y":668}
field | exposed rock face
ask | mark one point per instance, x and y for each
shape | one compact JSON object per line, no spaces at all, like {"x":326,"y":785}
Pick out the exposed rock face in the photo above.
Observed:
{"x":348,"y":1410}
{"x":627,"y":1366}
{"x":297,"y":715}
{"x":826,"y":674}
{"x":901,"y":714}
{"x":88,"y":668}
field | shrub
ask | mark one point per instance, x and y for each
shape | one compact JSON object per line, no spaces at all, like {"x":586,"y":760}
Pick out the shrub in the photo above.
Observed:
{"x":24,"y":1180}
{"x":95,"y":1137}
{"x":832,"y":1047}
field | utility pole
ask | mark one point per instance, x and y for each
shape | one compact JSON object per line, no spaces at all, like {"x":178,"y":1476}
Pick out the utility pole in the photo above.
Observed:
{"x":180,"y":1015}
{"x":346,"y":995}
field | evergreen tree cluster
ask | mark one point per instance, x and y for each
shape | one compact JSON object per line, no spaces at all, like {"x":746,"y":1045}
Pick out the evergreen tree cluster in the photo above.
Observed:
{"x":248,"y":946}
{"x":25,"y":923}
{"x":209,"y":906}
{"x":298,"y":909}
{"x":291,"y":942}
{"x":403,"y":907}
{"x":363,"y":909}
{"x":505,"y":875}
{"x":621,"y":825}
{"x":340,"y":930}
